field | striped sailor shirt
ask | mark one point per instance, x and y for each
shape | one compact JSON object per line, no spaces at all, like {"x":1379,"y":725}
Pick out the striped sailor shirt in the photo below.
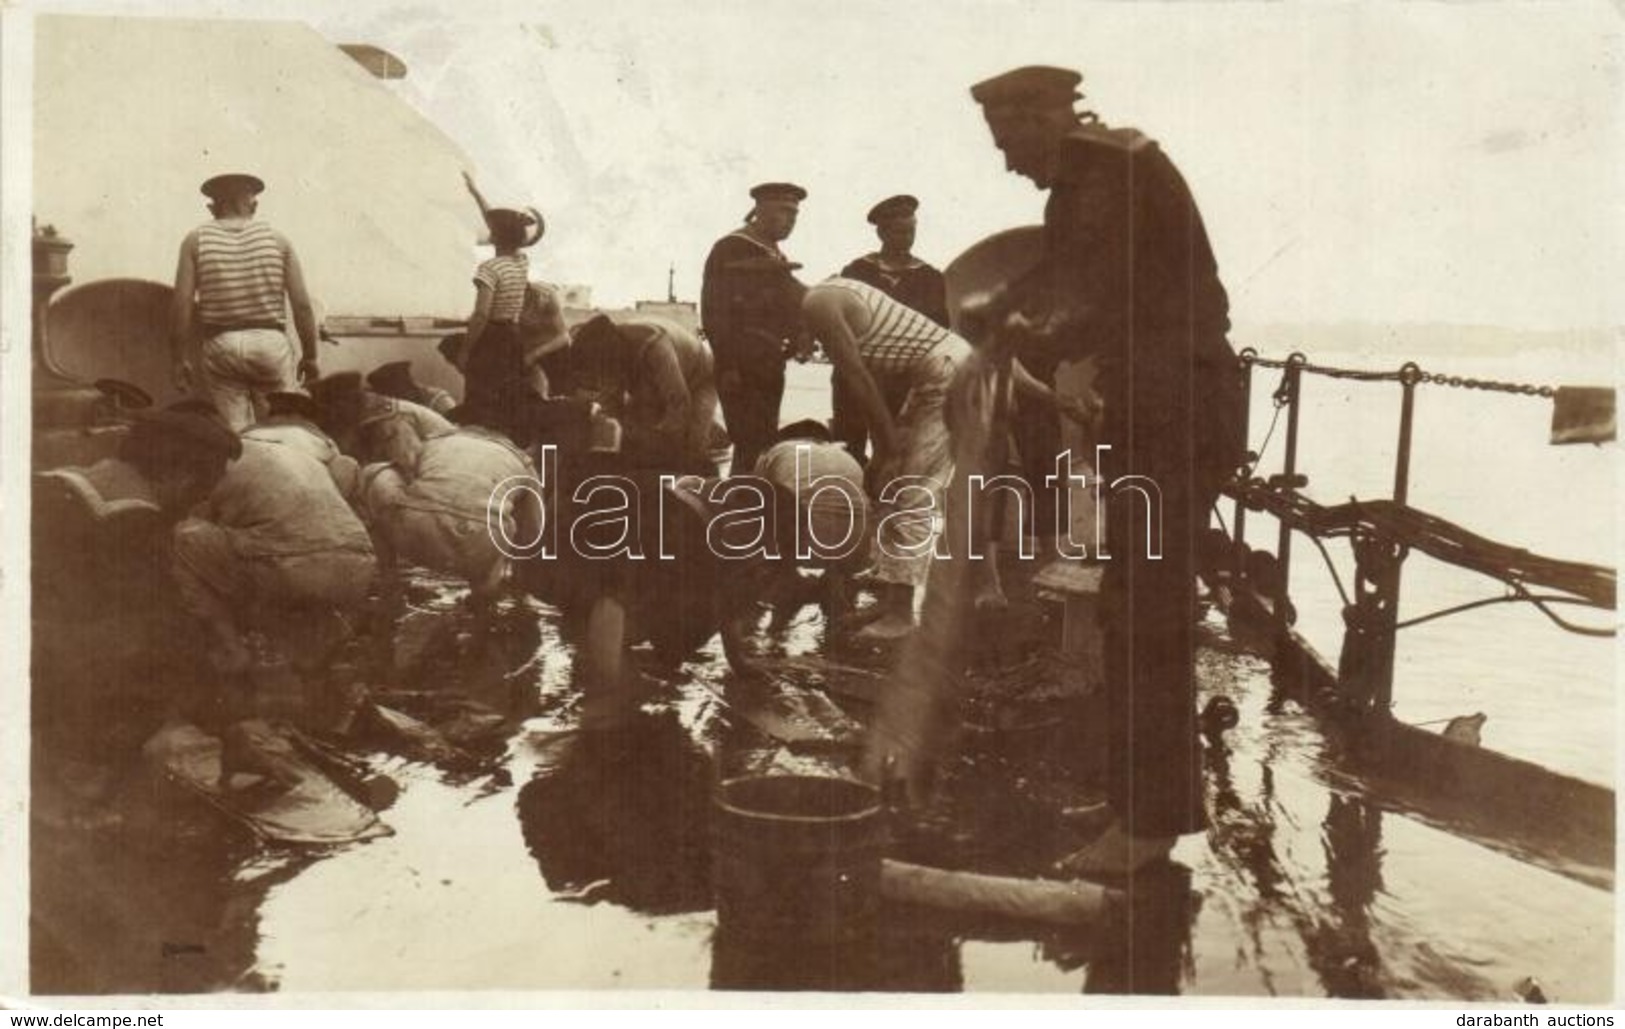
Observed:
{"x":897,"y":339}
{"x":241,"y":273}
{"x":506,"y":276}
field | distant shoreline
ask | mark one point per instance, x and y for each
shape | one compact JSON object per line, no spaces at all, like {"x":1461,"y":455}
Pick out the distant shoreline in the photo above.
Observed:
{"x":1422,"y":340}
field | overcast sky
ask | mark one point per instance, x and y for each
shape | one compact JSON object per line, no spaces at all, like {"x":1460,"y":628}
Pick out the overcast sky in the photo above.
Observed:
{"x":1376,"y":161}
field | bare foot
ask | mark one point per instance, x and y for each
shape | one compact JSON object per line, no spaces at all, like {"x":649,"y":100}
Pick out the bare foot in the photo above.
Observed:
{"x":990,"y":597}
{"x":859,"y":617}
{"x":1116,"y":853}
{"x":890,"y":626}
{"x":990,"y":588}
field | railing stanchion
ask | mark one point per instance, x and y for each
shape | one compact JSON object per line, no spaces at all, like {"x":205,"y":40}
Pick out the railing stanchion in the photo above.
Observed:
{"x":1292,"y":386}
{"x":1409,"y":376}
{"x":1238,"y":565}
{"x":1386,"y":639}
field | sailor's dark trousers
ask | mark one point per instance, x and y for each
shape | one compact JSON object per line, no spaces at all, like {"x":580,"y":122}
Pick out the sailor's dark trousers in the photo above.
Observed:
{"x":1149,"y":603}
{"x":751,"y":411}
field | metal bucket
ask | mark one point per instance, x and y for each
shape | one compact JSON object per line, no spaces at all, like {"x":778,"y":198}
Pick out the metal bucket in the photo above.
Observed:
{"x":797,"y":856}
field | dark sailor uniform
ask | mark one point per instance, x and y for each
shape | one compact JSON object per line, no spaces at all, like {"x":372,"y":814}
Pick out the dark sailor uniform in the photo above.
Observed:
{"x":1128,"y":277}
{"x":748,"y":320}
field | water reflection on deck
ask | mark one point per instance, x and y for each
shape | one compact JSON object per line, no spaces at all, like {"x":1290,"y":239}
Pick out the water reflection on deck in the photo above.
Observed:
{"x":557,"y":861}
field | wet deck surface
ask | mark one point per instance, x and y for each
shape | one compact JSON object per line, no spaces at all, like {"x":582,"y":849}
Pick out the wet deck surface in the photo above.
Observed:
{"x":535,"y":857}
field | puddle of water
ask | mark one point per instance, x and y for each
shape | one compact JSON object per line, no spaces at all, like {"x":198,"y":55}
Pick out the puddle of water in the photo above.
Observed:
{"x":566,"y":863}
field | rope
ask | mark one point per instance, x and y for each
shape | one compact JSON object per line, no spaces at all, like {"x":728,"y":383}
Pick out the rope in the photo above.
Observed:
{"x":1437,"y":538}
{"x":1452,"y":544}
{"x":1332,"y":568}
{"x":1562,"y":623}
{"x":1520,"y":596}
{"x":1264,"y":447}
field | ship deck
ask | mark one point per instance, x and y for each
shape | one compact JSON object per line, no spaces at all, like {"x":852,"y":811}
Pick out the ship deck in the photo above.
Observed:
{"x":1315,"y":878}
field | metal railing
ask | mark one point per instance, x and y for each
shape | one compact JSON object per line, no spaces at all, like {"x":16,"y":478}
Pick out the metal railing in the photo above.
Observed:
{"x":1383,"y":533}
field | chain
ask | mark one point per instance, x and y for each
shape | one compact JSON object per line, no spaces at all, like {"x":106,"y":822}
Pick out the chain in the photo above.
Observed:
{"x":1326,"y":370}
{"x":1457,"y":382}
{"x":1409,"y":374}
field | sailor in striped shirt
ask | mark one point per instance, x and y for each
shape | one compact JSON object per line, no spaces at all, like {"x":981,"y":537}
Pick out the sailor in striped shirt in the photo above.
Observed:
{"x":235,"y":280}
{"x":867,"y":335}
{"x":492,"y":354}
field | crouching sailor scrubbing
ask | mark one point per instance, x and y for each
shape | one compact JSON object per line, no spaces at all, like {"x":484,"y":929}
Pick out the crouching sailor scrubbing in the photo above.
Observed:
{"x":277,"y":546}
